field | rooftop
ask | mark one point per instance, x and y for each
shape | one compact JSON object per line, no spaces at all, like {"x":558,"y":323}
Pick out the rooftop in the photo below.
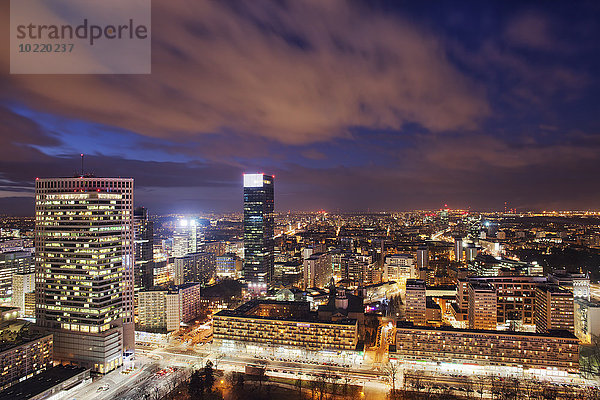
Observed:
{"x":564,"y":334}
{"x":246,"y":309}
{"x":40,"y":383}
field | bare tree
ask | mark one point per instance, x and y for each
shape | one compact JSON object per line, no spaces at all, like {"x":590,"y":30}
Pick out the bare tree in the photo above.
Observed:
{"x":479,"y":385}
{"x":391,"y":371}
{"x":298,"y":384}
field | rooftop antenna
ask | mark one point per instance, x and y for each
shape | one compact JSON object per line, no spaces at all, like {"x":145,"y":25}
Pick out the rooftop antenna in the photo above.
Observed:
{"x":82,"y":164}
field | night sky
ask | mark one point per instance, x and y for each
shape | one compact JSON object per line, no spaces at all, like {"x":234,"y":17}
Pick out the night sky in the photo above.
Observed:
{"x":353,"y":106}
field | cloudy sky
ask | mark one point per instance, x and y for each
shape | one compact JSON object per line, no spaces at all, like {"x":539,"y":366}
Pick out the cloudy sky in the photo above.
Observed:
{"x":352,"y":105}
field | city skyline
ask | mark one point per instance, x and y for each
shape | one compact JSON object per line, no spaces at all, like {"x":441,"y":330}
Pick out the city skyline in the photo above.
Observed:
{"x":353,"y":106}
{"x":307,"y":199}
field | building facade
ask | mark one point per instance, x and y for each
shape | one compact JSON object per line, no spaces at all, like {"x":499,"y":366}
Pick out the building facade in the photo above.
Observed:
{"x":399,"y":268}
{"x":482,"y":308}
{"x":84,"y":241}
{"x":554,"y":308}
{"x":226,"y":266}
{"x":165,"y":309}
{"x":587,"y":320}
{"x":23,"y":284}
{"x":188,"y":237}
{"x":317,"y":270}
{"x":143,"y":249}
{"x":31,"y":355}
{"x":194,"y":267}
{"x":515,"y":296}
{"x":275,"y":324}
{"x":11,"y":263}
{"x":416,"y":302}
{"x":557,"y":350}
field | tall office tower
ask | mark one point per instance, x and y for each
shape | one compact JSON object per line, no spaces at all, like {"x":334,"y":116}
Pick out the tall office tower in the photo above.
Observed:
{"x":144,"y":249}
{"x":416,"y":302}
{"x":84,"y":268}
{"x":554,"y":308}
{"x":458,"y":249}
{"x":483,"y":308}
{"x":422,"y":257}
{"x":188,"y":237}
{"x":258,"y":229}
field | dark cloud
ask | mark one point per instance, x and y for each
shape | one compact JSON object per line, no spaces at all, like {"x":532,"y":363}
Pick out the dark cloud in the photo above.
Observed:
{"x":297,"y":72}
{"x":351,"y":105}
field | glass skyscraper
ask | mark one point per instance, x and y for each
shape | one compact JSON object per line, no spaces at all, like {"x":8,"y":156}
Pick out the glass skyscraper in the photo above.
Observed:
{"x":258,"y":229}
{"x":84,"y":240}
{"x":144,"y":249}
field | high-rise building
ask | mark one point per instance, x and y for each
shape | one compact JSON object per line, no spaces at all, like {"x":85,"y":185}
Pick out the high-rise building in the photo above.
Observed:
{"x":258,"y":228}
{"x":416,"y":302}
{"x":458,"y":249}
{"x":317,"y":270}
{"x":422,"y":257}
{"x":84,"y":242}
{"x":144,"y":249}
{"x":188,"y":237}
{"x":11,"y":263}
{"x":22,"y":285}
{"x":483,"y":309}
{"x":515,"y":296}
{"x":165,"y":309}
{"x":194,"y":267}
{"x":471,"y":253}
{"x":554,"y":308}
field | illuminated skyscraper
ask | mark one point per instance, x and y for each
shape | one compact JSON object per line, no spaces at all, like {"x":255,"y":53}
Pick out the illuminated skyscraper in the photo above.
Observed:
{"x":84,"y":240}
{"x":258,"y":228}
{"x":144,"y":249}
{"x":188,"y":237}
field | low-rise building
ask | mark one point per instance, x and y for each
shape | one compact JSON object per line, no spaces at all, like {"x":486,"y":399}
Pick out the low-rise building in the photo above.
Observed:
{"x":227,"y":265}
{"x":25,"y":353}
{"x":399,"y":268}
{"x":587,"y":320}
{"x":275,"y":324}
{"x":552,"y":351}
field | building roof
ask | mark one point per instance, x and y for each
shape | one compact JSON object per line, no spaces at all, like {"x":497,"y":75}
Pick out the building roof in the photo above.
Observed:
{"x":555,"y":289}
{"x":355,"y":304}
{"x":554,"y":333}
{"x":40,"y":383}
{"x":244,"y":310}
{"x":482,"y":286}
